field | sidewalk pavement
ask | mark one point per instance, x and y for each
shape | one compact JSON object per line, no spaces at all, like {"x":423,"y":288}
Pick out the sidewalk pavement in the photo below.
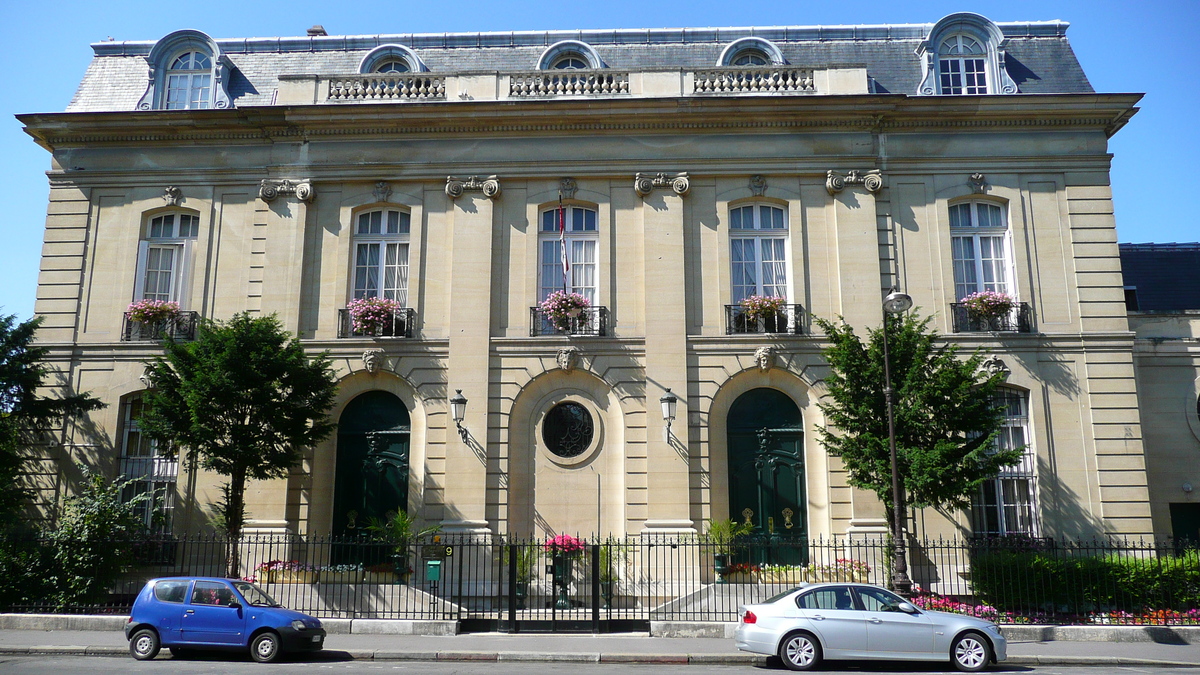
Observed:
{"x":616,"y":648}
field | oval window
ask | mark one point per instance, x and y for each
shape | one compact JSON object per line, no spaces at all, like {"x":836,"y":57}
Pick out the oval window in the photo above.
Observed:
{"x":568,"y":429}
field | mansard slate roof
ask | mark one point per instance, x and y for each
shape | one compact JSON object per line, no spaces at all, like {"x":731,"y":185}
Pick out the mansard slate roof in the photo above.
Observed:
{"x":1039,"y":58}
{"x":1166,"y":276}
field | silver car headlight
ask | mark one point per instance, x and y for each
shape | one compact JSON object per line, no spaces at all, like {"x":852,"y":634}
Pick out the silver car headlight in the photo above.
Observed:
{"x":298,"y":625}
{"x":994,"y":628}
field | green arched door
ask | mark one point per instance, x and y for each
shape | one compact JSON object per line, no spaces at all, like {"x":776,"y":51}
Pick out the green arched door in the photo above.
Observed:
{"x":372,"y":461}
{"x":766,"y":474}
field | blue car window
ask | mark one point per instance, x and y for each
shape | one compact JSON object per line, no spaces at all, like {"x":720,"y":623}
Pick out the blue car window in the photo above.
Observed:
{"x":212,"y":593}
{"x":837,"y":597}
{"x":170,"y":591}
{"x":878,"y":600}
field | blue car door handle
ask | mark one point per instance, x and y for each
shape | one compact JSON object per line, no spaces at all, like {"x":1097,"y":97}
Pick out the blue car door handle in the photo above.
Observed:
{"x":190,"y":611}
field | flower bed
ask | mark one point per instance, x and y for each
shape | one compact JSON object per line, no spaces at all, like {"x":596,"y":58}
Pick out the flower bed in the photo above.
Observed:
{"x":742,"y":573}
{"x":842,"y":569}
{"x":341,"y":574}
{"x":287,"y":572}
{"x":1159,"y":617}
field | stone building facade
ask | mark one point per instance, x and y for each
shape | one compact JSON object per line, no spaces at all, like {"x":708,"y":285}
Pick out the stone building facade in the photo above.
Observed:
{"x":694,"y":168}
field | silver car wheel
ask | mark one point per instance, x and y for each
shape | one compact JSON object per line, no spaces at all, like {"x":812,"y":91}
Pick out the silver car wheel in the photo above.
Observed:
{"x":143,"y":645}
{"x":970,"y":653}
{"x":799,"y":652}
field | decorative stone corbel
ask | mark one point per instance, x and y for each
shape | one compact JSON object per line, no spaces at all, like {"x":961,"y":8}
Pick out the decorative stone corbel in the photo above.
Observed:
{"x":994,"y":365}
{"x":978,"y":183}
{"x":872,"y":181}
{"x":269,"y":189}
{"x":382,"y":191}
{"x":172,"y":195}
{"x":645,"y":183}
{"x":764,"y":357}
{"x":758,"y":185}
{"x":567,"y":357}
{"x":372,"y":360}
{"x":147,"y":377}
{"x":490,"y":186}
{"x":568,"y":187}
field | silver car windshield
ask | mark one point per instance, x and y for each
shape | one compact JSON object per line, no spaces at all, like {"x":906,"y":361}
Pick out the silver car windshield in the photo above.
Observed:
{"x":255,"y":595}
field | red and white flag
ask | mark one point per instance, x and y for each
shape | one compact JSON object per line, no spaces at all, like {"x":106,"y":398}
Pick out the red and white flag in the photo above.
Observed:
{"x":562,"y":241}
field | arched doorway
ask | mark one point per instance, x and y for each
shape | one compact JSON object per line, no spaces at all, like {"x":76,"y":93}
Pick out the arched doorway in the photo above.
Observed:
{"x":766,"y":473}
{"x":371,"y":477}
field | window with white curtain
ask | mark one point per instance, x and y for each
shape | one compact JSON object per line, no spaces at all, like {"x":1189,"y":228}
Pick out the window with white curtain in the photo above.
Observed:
{"x":163,"y":257}
{"x":189,"y":81}
{"x":1007,"y":504}
{"x":151,"y":473}
{"x":758,"y":238}
{"x":962,"y":66}
{"x":979,"y":243}
{"x":581,"y":239}
{"x":381,"y":239}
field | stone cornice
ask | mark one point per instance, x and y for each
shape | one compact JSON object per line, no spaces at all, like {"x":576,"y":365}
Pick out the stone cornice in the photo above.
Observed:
{"x":874,"y":113}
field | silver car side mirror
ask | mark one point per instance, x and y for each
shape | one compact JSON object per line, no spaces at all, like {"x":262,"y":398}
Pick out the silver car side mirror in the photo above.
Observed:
{"x":907,"y":608}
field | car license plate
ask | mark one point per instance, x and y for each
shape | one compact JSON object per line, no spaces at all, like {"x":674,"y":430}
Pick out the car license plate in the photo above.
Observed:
{"x":316,"y":638}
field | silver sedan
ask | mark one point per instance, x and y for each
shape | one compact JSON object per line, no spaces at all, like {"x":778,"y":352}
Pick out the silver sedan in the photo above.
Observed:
{"x":858,"y":621}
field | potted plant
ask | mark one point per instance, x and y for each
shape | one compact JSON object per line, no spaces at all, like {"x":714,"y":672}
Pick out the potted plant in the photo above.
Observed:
{"x":154,"y":316}
{"x":564,"y":549}
{"x":988,"y":306}
{"x":564,"y":310}
{"x":287,"y":572}
{"x":719,"y":536}
{"x":526,"y":558}
{"x":767,"y":310}
{"x":373,"y":316}
{"x":400,"y":530}
{"x":341,"y":574}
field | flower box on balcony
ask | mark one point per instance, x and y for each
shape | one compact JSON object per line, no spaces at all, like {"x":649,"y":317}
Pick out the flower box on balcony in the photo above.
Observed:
{"x":398,"y":324}
{"x":788,"y":319}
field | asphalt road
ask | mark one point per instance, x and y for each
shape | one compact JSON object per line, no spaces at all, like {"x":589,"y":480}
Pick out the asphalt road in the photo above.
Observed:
{"x":329,"y":663}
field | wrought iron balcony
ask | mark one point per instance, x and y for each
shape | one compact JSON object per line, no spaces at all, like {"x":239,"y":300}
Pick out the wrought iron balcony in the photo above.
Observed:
{"x":400,"y":326}
{"x":182,"y":327}
{"x":791,"y":319}
{"x":1018,"y":320}
{"x":591,"y":321}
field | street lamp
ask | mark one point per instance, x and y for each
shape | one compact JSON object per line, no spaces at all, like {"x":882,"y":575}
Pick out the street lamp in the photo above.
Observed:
{"x":668,"y":402}
{"x":458,"y":410}
{"x":895,"y":303}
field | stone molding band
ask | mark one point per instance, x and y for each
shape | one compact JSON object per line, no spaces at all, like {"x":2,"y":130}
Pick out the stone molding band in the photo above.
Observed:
{"x":872,"y":181}
{"x":268,"y":190}
{"x":645,"y":183}
{"x":490,"y":186}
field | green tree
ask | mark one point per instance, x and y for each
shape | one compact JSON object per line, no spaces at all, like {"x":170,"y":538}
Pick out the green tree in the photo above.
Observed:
{"x":246,"y":400}
{"x":25,"y":416}
{"x":946,"y":415}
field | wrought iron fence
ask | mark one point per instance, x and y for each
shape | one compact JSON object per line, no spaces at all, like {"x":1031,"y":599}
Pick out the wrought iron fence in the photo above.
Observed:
{"x":1017,"y":320}
{"x":508,"y":584}
{"x":180,"y":327}
{"x":791,"y":319}
{"x":591,"y":321}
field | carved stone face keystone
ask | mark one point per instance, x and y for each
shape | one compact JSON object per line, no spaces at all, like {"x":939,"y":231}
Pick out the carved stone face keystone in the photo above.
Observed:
{"x":567,"y":357}
{"x":764,"y":358}
{"x":995,"y":366}
{"x":372,"y":360}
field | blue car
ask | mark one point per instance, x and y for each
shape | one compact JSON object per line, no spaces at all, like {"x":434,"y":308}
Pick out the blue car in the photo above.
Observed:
{"x":184,"y":613}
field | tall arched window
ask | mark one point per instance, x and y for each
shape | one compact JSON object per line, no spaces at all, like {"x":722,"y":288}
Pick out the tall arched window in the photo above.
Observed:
{"x":581,"y":237}
{"x":189,"y":78}
{"x":979,"y":242}
{"x":1007,"y":504}
{"x":381,"y":239}
{"x":962,"y":66}
{"x":151,"y":472}
{"x":758,"y":244}
{"x":163,"y":257}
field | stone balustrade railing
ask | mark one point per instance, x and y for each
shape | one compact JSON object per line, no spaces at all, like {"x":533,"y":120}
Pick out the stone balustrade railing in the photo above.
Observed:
{"x":764,"y":80}
{"x":388,"y":87}
{"x":568,"y":83}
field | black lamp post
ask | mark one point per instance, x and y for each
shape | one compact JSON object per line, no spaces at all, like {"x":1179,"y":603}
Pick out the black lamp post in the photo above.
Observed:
{"x":668,"y":403}
{"x":895,"y":303}
{"x":458,"y":410}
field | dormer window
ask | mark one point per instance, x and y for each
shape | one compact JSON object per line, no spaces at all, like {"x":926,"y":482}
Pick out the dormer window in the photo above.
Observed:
{"x":391,"y":59}
{"x":750,"y":57}
{"x":750,"y":52}
{"x":962,"y":66}
{"x":963,"y":55}
{"x":188,"y":81}
{"x":392,"y":66}
{"x":570,"y":55}
{"x":569,"y":62}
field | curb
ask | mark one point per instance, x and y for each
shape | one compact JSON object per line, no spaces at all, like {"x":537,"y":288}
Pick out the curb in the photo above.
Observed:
{"x":594,"y":657}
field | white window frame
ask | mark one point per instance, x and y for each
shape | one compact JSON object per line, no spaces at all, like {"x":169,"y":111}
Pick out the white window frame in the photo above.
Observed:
{"x":964,"y":65}
{"x":750,"y":58}
{"x":198,"y":83}
{"x":150,"y":471}
{"x":384,"y":241}
{"x":975,"y":234}
{"x":758,"y":236}
{"x":181,"y":251}
{"x":1008,"y":507}
{"x":582,"y":243}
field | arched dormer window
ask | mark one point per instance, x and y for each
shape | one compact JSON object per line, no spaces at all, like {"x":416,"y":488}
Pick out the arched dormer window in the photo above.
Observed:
{"x":964,"y":55}
{"x":187,"y":72}
{"x":751,"y":51}
{"x":570,"y":55}
{"x":392,"y":59}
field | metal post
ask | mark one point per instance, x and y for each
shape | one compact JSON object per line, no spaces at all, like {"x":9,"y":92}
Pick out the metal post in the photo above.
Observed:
{"x":900,"y":581}
{"x":512,"y":585}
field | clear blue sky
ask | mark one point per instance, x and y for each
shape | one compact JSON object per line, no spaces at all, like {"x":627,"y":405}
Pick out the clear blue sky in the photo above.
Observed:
{"x":1150,"y":46}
